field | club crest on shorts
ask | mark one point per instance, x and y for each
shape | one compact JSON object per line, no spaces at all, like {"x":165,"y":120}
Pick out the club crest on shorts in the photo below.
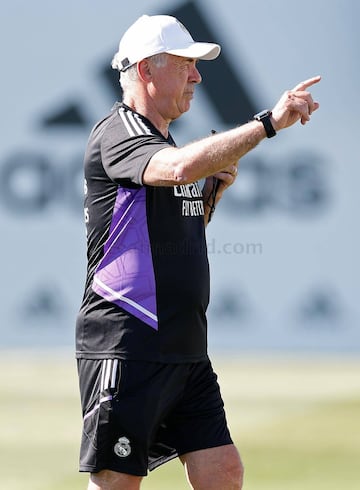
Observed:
{"x":122,"y":448}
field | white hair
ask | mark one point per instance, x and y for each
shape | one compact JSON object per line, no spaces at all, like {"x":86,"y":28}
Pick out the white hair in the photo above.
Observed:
{"x":129,"y":77}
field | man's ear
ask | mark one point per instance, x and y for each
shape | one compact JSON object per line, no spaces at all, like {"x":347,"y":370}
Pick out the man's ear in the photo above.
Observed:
{"x":144,"y":70}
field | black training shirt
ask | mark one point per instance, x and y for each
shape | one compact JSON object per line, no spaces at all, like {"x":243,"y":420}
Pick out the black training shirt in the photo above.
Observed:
{"x":147,"y":286}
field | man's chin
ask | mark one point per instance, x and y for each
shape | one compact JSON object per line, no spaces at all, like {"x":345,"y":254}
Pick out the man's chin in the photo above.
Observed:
{"x":186,"y":107}
{"x":183,"y":111}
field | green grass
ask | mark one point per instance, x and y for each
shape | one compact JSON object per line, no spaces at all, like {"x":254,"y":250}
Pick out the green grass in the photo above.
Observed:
{"x":296,"y":423}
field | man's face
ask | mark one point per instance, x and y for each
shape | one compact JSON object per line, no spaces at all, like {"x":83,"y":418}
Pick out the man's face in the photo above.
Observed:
{"x":173,"y":85}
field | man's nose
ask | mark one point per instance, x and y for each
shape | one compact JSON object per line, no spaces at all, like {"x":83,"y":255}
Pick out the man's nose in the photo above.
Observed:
{"x":195,"y":76}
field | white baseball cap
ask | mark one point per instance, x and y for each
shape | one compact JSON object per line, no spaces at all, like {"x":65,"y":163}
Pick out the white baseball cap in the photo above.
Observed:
{"x":155,"y":34}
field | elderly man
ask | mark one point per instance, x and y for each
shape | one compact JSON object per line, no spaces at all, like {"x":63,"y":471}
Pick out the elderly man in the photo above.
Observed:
{"x":148,"y":390}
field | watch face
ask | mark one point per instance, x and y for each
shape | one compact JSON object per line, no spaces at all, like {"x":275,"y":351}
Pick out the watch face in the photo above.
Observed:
{"x":262,"y":114}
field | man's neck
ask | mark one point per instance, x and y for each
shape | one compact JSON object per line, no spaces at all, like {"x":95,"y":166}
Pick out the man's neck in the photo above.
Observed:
{"x":147,"y":110}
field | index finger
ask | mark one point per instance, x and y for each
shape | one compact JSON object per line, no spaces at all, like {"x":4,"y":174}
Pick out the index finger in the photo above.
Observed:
{"x":307,"y":83}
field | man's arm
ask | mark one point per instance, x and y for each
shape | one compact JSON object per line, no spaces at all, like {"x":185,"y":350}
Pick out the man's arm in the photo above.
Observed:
{"x":204,"y":158}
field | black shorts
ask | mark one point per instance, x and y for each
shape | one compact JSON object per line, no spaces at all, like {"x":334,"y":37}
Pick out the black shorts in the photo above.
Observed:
{"x":139,"y":415}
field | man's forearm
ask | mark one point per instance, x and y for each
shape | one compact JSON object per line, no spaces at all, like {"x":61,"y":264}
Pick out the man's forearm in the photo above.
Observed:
{"x":174,"y":166}
{"x":213,"y":154}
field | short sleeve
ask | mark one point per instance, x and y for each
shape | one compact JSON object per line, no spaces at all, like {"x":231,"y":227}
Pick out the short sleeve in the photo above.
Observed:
{"x":125,"y":157}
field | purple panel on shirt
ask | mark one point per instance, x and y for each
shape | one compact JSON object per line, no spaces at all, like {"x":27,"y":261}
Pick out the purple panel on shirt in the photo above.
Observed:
{"x":125,"y":275}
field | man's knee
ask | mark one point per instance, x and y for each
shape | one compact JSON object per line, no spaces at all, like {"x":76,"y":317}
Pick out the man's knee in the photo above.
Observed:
{"x":231,"y":472}
{"x":111,"y":480}
{"x":215,"y":468}
{"x":235,"y":474}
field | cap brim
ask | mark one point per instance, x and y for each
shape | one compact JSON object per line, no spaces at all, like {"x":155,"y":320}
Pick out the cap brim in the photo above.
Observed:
{"x":200,"y":51}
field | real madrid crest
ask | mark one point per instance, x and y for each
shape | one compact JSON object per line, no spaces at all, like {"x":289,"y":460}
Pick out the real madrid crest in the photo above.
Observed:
{"x":122,"y":448}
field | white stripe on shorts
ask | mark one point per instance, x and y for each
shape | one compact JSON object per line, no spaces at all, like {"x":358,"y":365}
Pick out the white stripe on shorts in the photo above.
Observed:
{"x":109,"y":374}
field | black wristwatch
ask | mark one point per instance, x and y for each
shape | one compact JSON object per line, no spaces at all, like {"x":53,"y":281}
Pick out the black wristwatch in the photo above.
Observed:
{"x":264,"y":117}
